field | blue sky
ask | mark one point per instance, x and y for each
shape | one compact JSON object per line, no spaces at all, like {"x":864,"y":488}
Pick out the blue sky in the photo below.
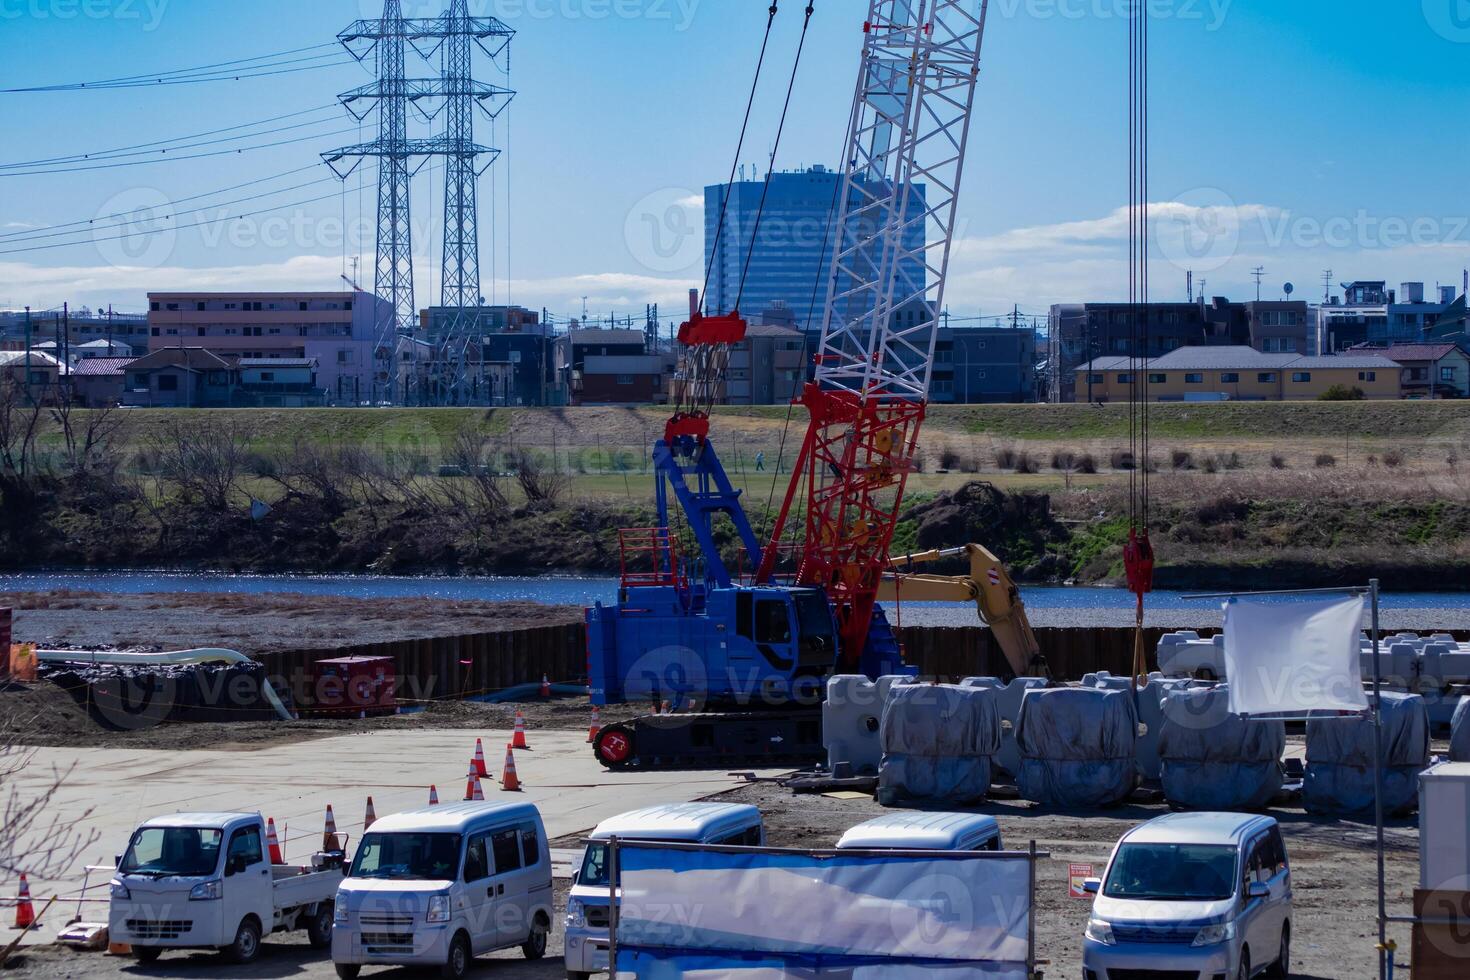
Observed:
{"x":1299,"y":136}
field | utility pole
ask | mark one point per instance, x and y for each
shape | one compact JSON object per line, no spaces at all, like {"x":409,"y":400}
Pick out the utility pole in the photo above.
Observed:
{"x":29,"y":398}
{"x":1259,"y":273}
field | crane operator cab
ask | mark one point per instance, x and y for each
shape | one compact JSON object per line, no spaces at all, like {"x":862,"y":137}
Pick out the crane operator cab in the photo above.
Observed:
{"x":741,"y":647}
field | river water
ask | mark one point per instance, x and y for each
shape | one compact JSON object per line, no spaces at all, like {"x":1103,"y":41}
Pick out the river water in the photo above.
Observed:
{"x":1048,"y":606}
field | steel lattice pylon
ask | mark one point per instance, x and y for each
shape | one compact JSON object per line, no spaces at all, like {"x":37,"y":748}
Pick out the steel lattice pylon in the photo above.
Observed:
{"x":909,"y":128}
{"x":457,"y":94}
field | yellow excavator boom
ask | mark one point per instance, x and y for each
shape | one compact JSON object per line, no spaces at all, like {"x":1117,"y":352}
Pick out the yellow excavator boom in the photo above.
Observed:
{"x":989,"y":585}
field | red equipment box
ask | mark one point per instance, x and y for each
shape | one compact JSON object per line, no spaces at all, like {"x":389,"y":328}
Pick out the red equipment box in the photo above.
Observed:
{"x":359,"y":686}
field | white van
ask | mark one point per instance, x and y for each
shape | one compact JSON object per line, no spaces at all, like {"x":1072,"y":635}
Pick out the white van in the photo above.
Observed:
{"x":1198,"y":894}
{"x":917,"y":831}
{"x":588,"y":915}
{"x":439,"y":886}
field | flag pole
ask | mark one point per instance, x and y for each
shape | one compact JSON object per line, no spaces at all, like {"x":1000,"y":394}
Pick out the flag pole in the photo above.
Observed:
{"x":1378,"y":781}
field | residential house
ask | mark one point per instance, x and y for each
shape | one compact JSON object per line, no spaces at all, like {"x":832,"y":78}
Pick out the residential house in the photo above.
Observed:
{"x":278,"y":382}
{"x":41,"y":374}
{"x":1437,"y":370}
{"x":181,"y":377}
{"x":98,"y":382}
{"x":1238,"y":373}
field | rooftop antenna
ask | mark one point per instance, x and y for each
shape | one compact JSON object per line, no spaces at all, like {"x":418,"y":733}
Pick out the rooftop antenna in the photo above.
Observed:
{"x":1258,"y":273}
{"x":1326,"y":287}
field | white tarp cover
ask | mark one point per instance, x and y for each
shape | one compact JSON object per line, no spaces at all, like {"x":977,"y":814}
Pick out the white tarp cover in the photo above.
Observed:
{"x":1339,"y":776}
{"x":1292,"y":658}
{"x":1211,"y":759}
{"x":1077,"y":746}
{"x":1460,"y":732}
{"x":760,"y":913}
{"x":938,"y":743}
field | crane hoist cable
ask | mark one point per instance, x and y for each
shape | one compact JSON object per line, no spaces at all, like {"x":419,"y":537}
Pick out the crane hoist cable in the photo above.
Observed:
{"x":1138,"y":553}
{"x":709,"y":338}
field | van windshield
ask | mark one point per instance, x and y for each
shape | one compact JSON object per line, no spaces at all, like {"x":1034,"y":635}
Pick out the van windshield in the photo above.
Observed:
{"x":189,"y":852}
{"x":1172,"y":872}
{"x":431,"y":857}
{"x":597,"y":859}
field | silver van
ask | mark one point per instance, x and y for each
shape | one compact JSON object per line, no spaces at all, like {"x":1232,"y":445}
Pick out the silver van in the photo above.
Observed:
{"x":439,"y":886}
{"x":588,"y":905}
{"x":1203,"y":895}
{"x":919,"y":831}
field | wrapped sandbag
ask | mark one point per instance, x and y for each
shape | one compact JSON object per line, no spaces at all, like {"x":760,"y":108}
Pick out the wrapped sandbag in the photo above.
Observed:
{"x":1210,"y":759}
{"x":1339,"y":776}
{"x":939,"y":741}
{"x":1460,"y":732}
{"x":1077,"y":746}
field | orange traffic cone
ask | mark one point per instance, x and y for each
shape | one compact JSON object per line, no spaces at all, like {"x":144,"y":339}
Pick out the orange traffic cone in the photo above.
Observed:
{"x":273,"y":843}
{"x":329,"y":834}
{"x":477,"y":792}
{"x":508,"y":778}
{"x":479,"y":760}
{"x":433,"y":795}
{"x":25,"y":912}
{"x":471,"y":780}
{"x":370,"y":816}
{"x":545,"y":686}
{"x":519,"y":740}
{"x":595,"y":727}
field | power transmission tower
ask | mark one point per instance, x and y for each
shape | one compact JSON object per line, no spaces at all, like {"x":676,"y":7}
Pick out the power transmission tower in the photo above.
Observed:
{"x":391,"y":94}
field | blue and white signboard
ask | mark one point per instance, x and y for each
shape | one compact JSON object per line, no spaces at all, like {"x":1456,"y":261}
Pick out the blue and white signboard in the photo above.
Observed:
{"x":759,"y":913}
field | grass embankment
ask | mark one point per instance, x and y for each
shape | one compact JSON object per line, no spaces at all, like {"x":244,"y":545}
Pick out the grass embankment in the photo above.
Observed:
{"x":1243,"y":493}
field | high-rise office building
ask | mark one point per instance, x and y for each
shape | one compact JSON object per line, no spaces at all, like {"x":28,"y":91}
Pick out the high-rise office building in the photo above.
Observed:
{"x":793,"y":251}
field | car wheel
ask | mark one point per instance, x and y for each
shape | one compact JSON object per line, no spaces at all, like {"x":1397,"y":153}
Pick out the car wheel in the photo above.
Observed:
{"x":457,"y":966}
{"x":319,"y":927}
{"x":535,"y":945}
{"x":1282,"y":966}
{"x":1245,"y":965}
{"x":348,"y":971}
{"x":146,"y":954}
{"x":578,"y":975}
{"x":246,"y":946}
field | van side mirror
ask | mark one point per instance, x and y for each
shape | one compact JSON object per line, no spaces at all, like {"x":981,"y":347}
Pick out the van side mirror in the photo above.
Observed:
{"x":237,"y":864}
{"x":1258,"y":889}
{"x":117,"y":860}
{"x":575,"y":876}
{"x":1091,"y":885}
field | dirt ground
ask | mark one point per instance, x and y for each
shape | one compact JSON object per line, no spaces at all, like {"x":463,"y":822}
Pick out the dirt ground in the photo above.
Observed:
{"x":259,"y":623}
{"x":44,"y":714}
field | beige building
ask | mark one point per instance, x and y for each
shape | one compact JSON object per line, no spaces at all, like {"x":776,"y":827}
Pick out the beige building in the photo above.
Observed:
{"x":1238,"y":374}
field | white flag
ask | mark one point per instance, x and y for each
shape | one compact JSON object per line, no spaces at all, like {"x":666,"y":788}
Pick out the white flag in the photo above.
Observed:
{"x":1291,"y":658}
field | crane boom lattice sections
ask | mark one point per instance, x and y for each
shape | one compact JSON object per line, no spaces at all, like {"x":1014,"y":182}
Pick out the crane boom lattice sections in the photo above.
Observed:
{"x":906,"y":146}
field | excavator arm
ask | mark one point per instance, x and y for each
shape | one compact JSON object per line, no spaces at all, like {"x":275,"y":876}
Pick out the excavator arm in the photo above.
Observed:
{"x":988,"y":585}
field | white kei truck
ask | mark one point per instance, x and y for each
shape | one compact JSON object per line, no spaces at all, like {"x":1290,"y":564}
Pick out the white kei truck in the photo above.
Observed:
{"x":205,"y":881}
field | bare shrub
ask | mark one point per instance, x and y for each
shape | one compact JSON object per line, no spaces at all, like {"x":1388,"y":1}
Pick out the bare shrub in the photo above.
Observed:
{"x":1393,"y":458}
{"x":1005,"y":457}
{"x":1181,"y":459}
{"x":1278,"y":461}
{"x":1230,"y":461}
{"x":88,"y":438}
{"x":1122,"y":459}
{"x":1210,"y":465}
{"x":36,"y":836}
{"x":1063,"y":460}
{"x":540,"y":484}
{"x":1086,"y":463}
{"x":1024,"y":463}
{"x":1325,"y":461}
{"x":948,"y":458}
{"x":479,"y":493}
{"x":204,"y":458}
{"x":21,"y":420}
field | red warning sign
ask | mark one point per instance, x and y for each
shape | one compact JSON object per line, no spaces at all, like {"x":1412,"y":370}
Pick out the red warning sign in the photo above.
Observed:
{"x":1076,"y":875}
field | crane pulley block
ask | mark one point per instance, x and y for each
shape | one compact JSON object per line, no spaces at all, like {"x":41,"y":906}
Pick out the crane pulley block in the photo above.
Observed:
{"x":721,"y":328}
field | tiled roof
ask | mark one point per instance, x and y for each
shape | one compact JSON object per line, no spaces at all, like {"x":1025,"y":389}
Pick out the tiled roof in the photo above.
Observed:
{"x":281,"y":362}
{"x":1409,"y":352}
{"x":1238,"y":358}
{"x":96,"y":366}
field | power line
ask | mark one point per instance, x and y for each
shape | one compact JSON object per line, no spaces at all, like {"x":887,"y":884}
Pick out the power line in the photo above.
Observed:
{"x":218,"y":70}
{"x":171,"y":159}
{"x":157,"y":231}
{"x":183,"y":200}
{"x":140,"y":148}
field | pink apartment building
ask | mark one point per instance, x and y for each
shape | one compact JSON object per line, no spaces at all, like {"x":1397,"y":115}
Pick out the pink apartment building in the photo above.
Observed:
{"x":339,"y":330}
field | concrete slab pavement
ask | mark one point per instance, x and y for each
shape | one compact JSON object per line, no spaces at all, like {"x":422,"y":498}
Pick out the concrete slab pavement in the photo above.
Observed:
{"x":293,"y":783}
